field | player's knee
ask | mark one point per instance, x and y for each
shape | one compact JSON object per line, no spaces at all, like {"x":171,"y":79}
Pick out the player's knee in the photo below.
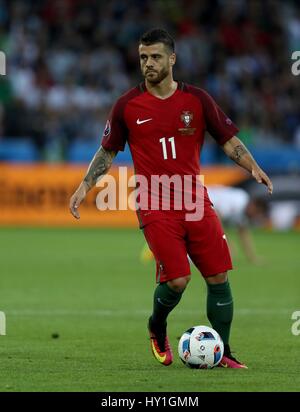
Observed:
{"x":179,"y":284}
{"x":215,"y":279}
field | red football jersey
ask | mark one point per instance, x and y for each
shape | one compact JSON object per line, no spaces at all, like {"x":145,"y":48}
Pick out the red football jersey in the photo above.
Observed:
{"x":165,"y":137}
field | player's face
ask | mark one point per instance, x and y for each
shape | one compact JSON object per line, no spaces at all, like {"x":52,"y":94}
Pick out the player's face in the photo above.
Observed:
{"x":156,"y":62}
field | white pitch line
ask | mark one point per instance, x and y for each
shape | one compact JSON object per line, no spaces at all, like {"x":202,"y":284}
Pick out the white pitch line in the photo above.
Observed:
{"x":137,"y":312}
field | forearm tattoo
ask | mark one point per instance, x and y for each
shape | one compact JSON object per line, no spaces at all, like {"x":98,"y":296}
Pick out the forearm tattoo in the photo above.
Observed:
{"x":238,"y":152}
{"x":98,"y":166}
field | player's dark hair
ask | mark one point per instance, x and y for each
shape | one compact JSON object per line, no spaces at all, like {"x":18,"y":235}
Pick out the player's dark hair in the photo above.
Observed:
{"x":158,"y":36}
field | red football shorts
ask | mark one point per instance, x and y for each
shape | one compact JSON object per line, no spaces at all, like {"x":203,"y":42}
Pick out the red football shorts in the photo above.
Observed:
{"x":172,"y":240}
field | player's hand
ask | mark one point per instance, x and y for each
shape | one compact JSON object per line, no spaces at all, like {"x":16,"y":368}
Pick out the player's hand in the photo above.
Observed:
{"x":261,"y":177}
{"x":76,"y":199}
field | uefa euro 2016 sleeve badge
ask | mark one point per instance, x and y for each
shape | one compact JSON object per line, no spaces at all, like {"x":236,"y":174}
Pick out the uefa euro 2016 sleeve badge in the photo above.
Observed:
{"x":187,"y":117}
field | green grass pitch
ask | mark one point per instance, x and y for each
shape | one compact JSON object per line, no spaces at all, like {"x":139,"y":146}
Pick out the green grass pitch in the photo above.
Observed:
{"x":89,"y":287}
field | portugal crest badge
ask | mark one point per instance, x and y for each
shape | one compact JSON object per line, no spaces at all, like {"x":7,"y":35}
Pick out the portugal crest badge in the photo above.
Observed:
{"x":187,"y":117}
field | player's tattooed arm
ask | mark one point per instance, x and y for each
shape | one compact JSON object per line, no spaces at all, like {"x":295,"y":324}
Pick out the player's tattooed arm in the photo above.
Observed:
{"x":238,"y":152}
{"x":98,"y":167}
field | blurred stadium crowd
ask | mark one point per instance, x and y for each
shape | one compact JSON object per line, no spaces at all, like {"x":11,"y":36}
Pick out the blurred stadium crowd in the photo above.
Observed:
{"x":68,"y":60}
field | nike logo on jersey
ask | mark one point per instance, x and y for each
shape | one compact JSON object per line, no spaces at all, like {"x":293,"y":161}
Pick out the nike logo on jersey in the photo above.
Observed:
{"x":142,"y":121}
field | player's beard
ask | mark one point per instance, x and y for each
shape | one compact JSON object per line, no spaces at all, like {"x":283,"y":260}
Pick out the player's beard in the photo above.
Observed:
{"x":159,"y":76}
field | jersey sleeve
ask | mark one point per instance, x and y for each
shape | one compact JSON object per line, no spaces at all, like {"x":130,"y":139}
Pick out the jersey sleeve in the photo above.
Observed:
{"x":218,"y":125}
{"x":115,"y":133}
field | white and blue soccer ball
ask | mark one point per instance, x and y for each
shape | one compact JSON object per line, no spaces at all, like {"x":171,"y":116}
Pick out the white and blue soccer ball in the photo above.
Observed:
{"x":201,"y":347}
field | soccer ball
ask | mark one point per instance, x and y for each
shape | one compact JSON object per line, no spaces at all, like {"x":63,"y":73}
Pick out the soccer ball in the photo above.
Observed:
{"x":201,"y":347}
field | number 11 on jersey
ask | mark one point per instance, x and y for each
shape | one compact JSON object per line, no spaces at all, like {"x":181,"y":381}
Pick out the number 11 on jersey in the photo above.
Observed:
{"x":164,"y":147}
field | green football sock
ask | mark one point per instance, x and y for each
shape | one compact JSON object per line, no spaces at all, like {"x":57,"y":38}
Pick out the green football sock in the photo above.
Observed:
{"x":165,"y":300}
{"x":220,"y":308}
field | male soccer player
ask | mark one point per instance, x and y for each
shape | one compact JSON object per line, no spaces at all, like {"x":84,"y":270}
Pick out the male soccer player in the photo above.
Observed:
{"x":164,"y":122}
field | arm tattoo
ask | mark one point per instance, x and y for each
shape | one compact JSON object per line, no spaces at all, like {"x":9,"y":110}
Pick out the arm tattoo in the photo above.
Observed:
{"x":99,"y":166}
{"x":238,"y":152}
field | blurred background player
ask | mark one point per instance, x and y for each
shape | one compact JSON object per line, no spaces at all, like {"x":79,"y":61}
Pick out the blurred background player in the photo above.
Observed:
{"x":239,"y":210}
